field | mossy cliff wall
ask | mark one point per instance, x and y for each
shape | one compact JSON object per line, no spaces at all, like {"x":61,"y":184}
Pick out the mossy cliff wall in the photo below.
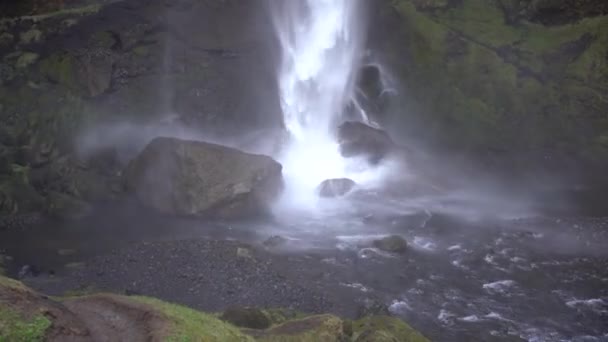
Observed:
{"x":500,"y":77}
{"x":99,"y":66}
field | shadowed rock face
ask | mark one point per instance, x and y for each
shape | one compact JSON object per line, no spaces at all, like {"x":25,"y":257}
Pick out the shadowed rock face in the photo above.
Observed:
{"x":358,"y":139}
{"x":68,"y":68}
{"x":335,"y":187}
{"x":182,"y":177}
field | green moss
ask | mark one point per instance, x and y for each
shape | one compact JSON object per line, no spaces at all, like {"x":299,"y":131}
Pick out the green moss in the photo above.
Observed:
{"x":31,"y":36}
{"x":428,"y":34}
{"x":13,"y":327}
{"x":310,"y":329}
{"x":482,"y":20}
{"x":476,"y":81}
{"x":26,"y":59}
{"x":141,"y":51}
{"x":384,"y":328}
{"x":191,"y":325}
{"x":60,"y":68}
{"x":11,"y":283}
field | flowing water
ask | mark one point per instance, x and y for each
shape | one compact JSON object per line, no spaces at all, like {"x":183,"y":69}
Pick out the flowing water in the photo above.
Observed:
{"x":504,"y":276}
{"x":321,"y":45}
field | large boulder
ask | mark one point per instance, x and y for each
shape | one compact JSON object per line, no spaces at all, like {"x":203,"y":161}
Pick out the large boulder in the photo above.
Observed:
{"x":196,"y":178}
{"x":359,"y":139}
{"x":335,"y":187}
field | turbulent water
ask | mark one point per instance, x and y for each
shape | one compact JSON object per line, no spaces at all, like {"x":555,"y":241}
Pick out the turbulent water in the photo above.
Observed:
{"x":321,"y":43}
{"x":511,"y":279}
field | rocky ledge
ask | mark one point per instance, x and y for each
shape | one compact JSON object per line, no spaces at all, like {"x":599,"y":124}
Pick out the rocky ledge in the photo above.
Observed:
{"x":26,"y":315}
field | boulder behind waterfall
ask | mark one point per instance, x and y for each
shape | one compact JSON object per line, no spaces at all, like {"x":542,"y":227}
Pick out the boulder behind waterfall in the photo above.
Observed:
{"x":358,"y":139}
{"x":335,"y":187}
{"x":193,"y":178}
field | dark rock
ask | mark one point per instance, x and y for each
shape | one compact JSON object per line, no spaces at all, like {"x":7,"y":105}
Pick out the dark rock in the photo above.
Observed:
{"x":246,"y":318}
{"x":274,"y":241}
{"x":370,"y":307}
{"x":28,"y":271}
{"x":358,"y":139}
{"x":191,"y":178}
{"x":392,"y":244}
{"x":66,"y":207}
{"x":335,"y":187}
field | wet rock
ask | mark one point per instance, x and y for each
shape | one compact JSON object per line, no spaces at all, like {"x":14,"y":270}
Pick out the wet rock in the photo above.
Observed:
{"x":28,"y":271}
{"x":392,"y":244}
{"x":66,"y":207}
{"x":274,"y":241}
{"x":335,"y":187}
{"x":243,"y":253}
{"x":358,"y":139}
{"x":192,"y":178}
{"x":370,"y":307}
{"x":246,"y":318}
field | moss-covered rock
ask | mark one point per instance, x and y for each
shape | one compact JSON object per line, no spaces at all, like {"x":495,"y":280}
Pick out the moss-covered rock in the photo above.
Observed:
{"x":392,"y":244}
{"x":322,"y":328}
{"x":189,"y":325}
{"x":385,"y":329}
{"x":247,"y":318}
{"x":28,"y":316}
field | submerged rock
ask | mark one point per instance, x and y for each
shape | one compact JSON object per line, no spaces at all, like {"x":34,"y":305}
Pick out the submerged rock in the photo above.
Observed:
{"x":181,"y":177}
{"x":274,"y":241}
{"x":392,"y":244}
{"x":358,"y":139}
{"x":335,"y":187}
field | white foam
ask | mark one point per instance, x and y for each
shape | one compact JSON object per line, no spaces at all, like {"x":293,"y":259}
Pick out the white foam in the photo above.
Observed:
{"x":445,"y":316}
{"x":321,"y":42}
{"x":501,"y":286}
{"x":424,"y":243}
{"x":470,"y":319}
{"x":399,"y":307}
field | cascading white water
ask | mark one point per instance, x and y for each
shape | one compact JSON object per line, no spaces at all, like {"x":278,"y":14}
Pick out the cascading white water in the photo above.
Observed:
{"x":321,"y":42}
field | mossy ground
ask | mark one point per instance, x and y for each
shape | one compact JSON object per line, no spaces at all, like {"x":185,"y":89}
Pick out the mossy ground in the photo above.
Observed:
{"x":13,"y":327}
{"x":172,"y":322}
{"x":191,"y":325}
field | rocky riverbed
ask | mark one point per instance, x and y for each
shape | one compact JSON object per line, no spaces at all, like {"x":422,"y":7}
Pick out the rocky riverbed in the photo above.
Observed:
{"x":456,"y":279}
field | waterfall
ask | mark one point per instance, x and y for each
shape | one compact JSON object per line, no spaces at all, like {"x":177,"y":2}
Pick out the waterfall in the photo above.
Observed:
{"x":321,"y":42}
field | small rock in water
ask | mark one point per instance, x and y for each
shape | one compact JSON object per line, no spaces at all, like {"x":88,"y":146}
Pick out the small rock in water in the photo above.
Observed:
{"x":247,"y":318}
{"x":335,"y":187}
{"x":66,"y":252}
{"x":274,"y":241}
{"x":27,"y":271}
{"x":243,"y":253}
{"x":371,"y":307}
{"x":392,"y":244}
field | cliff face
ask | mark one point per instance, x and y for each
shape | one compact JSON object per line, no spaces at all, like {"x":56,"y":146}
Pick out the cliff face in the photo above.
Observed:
{"x":79,"y":78}
{"x":523,"y":80}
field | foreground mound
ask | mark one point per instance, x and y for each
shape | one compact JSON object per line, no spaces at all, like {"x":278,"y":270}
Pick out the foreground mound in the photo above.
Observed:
{"x":181,"y":177}
{"x":28,"y":316}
